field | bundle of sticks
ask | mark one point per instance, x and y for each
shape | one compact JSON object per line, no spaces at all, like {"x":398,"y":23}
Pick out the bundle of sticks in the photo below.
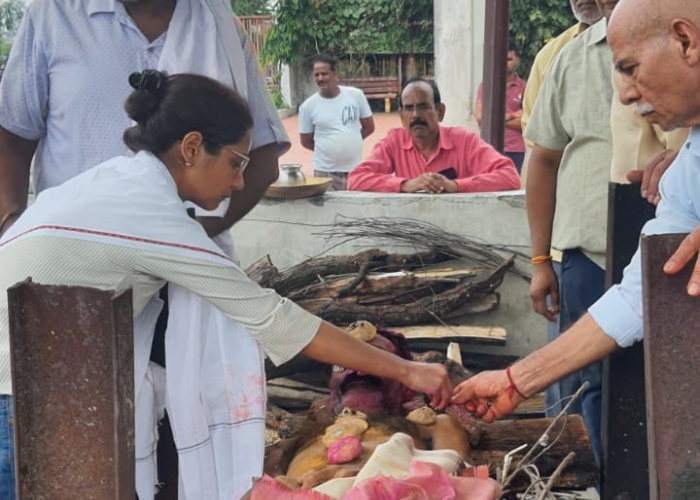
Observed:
{"x":446,"y":276}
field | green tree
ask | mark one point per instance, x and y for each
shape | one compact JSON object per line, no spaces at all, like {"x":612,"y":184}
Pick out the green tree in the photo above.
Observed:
{"x":251,"y":7}
{"x":533,"y":23}
{"x":303,"y":28}
{"x":11,"y":12}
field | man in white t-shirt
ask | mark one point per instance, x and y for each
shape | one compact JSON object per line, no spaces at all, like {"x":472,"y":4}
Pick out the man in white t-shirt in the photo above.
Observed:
{"x":333,"y":122}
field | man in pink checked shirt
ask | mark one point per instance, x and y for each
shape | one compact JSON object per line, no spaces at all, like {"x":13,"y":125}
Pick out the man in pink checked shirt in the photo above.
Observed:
{"x":425,"y":156}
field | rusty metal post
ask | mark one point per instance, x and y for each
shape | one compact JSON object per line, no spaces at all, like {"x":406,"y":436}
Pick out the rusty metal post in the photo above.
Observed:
{"x":73,"y":383}
{"x":493,"y":111}
{"x":624,"y":422}
{"x":672,"y":369}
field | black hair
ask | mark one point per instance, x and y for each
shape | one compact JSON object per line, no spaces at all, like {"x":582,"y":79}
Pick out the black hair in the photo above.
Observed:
{"x":512,"y":47}
{"x":165,"y":108}
{"x":326,"y":59}
{"x":417,"y":79}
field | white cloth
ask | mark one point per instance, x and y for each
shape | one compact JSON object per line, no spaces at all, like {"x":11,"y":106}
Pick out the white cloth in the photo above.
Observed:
{"x":336,"y":126}
{"x":149,"y":397}
{"x":122,"y":224}
{"x":215,"y":399}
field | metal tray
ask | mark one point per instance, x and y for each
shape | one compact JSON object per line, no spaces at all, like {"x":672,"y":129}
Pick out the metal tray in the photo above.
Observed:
{"x":313,"y":186}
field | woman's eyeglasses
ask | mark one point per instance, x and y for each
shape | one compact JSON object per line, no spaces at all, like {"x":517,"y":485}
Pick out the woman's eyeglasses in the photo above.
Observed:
{"x":243,"y":161}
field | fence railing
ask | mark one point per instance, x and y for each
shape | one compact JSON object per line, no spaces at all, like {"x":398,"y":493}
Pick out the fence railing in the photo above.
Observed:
{"x":256,"y":27}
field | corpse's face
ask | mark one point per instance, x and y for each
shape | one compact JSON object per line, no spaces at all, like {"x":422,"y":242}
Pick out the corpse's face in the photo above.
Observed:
{"x":367,"y":393}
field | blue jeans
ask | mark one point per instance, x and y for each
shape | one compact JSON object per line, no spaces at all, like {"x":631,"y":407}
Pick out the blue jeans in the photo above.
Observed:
{"x":7,"y":449}
{"x":581,"y":283}
{"x":517,"y":159}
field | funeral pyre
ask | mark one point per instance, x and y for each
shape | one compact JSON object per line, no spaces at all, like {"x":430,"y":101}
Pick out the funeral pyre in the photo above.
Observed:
{"x":325,"y":424}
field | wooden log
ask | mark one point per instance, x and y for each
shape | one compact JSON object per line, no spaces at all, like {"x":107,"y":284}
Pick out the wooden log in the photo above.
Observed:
{"x":481,"y":304}
{"x":307,"y":272}
{"x":262,"y":272}
{"x":291,"y":394}
{"x":423,"y":310}
{"x":502,"y":436}
{"x":391,"y":287}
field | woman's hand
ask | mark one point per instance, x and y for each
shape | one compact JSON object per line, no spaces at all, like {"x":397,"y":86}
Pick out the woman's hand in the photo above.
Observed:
{"x":432,"y":380}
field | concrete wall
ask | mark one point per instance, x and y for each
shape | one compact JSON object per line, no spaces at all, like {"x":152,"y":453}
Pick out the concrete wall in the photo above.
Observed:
{"x":297,"y":84}
{"x":286,"y":229}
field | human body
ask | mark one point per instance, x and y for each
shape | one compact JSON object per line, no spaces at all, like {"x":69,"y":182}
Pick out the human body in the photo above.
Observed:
{"x":333,"y":123}
{"x":123,"y":223}
{"x":423,"y":155}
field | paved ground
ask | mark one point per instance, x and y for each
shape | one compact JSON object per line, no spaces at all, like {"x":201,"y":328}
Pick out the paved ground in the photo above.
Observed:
{"x":382,"y":122}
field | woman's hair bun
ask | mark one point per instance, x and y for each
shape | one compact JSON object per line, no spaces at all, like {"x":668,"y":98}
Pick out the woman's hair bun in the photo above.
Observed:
{"x":149,"y":80}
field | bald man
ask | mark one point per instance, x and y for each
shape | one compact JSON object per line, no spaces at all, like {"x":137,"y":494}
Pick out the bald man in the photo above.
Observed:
{"x":657,"y":53}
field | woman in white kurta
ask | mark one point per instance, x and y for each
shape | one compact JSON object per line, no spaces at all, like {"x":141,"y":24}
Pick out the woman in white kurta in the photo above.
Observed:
{"x":123,"y":224}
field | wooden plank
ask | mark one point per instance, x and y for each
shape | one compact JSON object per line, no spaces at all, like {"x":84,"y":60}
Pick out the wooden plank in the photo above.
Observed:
{"x":446,"y":272}
{"x":454,"y":333}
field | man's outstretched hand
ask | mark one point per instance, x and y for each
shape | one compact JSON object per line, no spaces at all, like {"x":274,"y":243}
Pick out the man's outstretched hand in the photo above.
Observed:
{"x":488,"y":395}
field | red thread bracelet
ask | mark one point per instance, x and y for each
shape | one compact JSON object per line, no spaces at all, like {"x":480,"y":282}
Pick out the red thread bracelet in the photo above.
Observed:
{"x":512,"y":388}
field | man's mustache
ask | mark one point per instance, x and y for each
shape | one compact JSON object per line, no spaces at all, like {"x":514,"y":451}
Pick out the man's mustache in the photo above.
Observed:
{"x":418,"y":121}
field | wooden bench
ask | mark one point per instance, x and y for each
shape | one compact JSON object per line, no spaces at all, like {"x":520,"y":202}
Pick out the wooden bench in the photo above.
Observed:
{"x":376,"y":87}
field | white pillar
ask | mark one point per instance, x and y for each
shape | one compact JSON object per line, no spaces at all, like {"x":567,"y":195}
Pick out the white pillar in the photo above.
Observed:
{"x":459,"y":48}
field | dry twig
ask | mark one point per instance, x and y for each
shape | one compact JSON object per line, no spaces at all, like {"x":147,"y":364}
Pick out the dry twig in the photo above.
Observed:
{"x":526,"y":464}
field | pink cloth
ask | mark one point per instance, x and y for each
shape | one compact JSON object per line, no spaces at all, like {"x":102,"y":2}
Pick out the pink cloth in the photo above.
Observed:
{"x":395,"y":159}
{"x":425,"y":481}
{"x":512,"y":139}
{"x":269,"y":489}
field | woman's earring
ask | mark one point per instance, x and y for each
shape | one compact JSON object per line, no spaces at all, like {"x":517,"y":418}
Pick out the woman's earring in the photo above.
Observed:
{"x":188,"y":164}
